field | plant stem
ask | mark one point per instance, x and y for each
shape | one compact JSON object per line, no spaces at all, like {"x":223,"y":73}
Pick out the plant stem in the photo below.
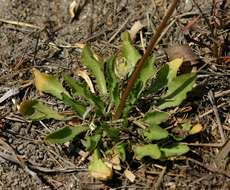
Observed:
{"x":141,"y":62}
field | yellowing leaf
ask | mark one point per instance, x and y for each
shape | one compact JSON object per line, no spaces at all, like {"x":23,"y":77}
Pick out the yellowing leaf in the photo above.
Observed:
{"x":48,"y":84}
{"x":174,"y":66}
{"x":98,"y":169}
{"x":196,"y":129}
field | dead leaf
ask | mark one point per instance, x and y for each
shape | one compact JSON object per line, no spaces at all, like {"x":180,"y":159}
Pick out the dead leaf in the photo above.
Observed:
{"x":137,"y":26}
{"x":85,"y":76}
{"x":73,"y":8}
{"x":182,"y":51}
{"x":129,"y":175}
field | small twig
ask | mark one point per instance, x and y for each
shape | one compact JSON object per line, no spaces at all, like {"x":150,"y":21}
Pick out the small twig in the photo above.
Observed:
{"x":212,"y":100}
{"x":56,"y":170}
{"x":209,"y":168}
{"x":211,"y":111}
{"x":222,"y":157}
{"x":17,"y":23}
{"x":139,"y":65}
{"x":160,"y":179}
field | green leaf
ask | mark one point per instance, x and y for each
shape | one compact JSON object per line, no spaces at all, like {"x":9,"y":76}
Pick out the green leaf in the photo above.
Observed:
{"x":147,"y":72}
{"x":65,"y":134}
{"x":155,"y":117}
{"x":130,"y":53}
{"x":165,"y":75}
{"x":120,"y":149}
{"x":92,"y":142}
{"x":126,"y":61}
{"x":155,"y":132}
{"x":112,"y":80}
{"x":96,"y":68}
{"x":112,"y":133}
{"x":151,"y":150}
{"x":186,"y":126}
{"x":174,"y":150}
{"x":84,"y":92}
{"x":177,"y":90}
{"x":98,"y":169}
{"x":75,"y":105}
{"x":35,"y":111}
{"x":48,"y":84}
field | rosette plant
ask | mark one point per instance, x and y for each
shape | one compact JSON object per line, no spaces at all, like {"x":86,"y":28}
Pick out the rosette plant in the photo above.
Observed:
{"x":140,"y":130}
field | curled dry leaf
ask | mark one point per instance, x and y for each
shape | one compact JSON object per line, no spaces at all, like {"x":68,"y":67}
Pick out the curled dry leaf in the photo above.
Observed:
{"x":87,"y":79}
{"x":73,"y":8}
{"x":137,"y":26}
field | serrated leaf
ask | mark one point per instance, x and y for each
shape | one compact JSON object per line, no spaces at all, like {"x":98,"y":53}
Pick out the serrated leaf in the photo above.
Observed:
{"x":155,"y":117}
{"x":82,"y":90}
{"x":92,"y":142}
{"x":112,"y":80}
{"x":75,"y":105}
{"x":174,"y":150}
{"x":98,"y":169}
{"x":155,"y":132}
{"x":96,"y":69}
{"x":166,"y":73}
{"x":151,"y":150}
{"x":177,"y":90}
{"x":65,"y":134}
{"x":48,"y":84}
{"x":35,"y":111}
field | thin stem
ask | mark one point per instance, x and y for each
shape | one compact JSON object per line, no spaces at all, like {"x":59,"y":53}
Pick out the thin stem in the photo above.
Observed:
{"x":152,"y":43}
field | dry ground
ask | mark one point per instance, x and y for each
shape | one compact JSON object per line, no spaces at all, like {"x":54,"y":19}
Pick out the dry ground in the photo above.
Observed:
{"x":49,"y":48}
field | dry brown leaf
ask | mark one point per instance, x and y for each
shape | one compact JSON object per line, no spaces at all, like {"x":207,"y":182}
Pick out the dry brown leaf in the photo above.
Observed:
{"x":182,"y":51}
{"x":73,"y":8}
{"x":137,"y":26}
{"x":129,"y":175}
{"x":87,"y":79}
